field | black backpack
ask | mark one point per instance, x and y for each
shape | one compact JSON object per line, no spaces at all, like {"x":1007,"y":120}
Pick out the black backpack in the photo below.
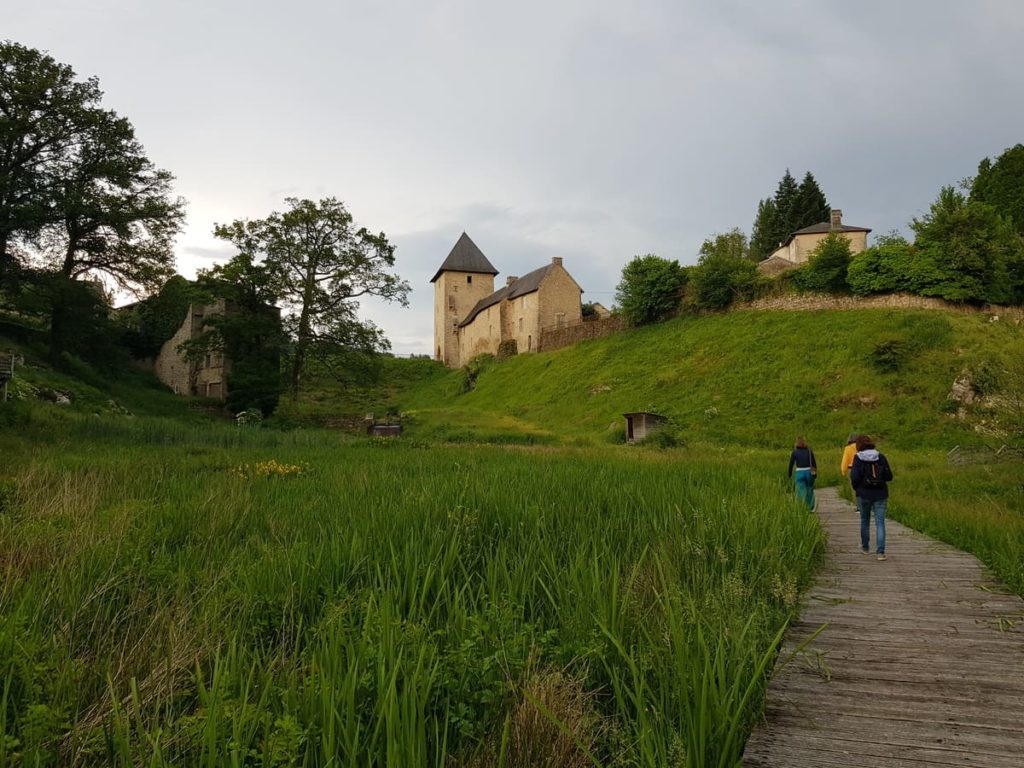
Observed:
{"x":872,"y":474}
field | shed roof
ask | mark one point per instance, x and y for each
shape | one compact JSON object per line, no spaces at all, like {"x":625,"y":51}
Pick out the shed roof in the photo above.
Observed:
{"x":465,"y":257}
{"x":657,"y":416}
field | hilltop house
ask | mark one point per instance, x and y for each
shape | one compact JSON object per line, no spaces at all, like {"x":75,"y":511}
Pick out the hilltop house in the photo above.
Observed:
{"x":471,"y":318}
{"x":797,"y":248}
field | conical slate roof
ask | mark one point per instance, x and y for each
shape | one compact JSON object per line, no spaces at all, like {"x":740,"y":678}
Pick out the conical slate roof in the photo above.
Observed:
{"x":466,"y":257}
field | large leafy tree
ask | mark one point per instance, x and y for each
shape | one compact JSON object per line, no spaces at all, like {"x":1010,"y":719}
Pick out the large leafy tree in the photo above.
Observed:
{"x":320,"y":265}
{"x":77,"y":194}
{"x":650,"y":289}
{"x":968,"y":252}
{"x":1001,"y":185}
{"x":43,"y":112}
{"x":723,"y":273}
{"x":118,"y":218}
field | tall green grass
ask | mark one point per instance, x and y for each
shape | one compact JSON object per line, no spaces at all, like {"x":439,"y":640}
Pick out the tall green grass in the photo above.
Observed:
{"x":389,"y":605}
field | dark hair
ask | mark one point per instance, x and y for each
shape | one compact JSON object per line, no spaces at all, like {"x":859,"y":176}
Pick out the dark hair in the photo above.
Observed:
{"x":864,"y":443}
{"x":801,"y":443}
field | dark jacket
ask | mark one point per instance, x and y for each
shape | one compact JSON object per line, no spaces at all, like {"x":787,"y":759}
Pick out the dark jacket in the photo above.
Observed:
{"x":865,"y":463}
{"x":801,"y":458}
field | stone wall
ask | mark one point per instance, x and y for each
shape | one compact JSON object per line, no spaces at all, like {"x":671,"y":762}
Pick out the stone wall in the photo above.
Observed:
{"x":556,"y":338}
{"x":810,"y":302}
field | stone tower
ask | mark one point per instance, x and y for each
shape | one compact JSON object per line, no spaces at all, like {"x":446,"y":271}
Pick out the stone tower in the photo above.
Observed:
{"x":464,"y":278}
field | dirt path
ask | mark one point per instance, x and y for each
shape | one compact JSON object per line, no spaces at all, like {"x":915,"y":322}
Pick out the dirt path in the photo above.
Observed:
{"x":921,"y":662}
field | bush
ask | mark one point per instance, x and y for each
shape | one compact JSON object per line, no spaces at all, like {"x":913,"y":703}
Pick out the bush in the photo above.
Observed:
{"x":472,"y":370}
{"x":889,"y":355}
{"x":650,"y":290}
{"x":829,"y":262}
{"x":666,"y":437}
{"x":886,"y":267}
{"x":720,"y":279}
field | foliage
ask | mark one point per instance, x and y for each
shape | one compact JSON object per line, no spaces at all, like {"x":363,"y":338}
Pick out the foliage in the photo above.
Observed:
{"x":409,"y":627}
{"x":723,"y":273}
{"x":793,"y":207}
{"x":650,"y":289}
{"x":889,"y":355}
{"x":886,"y":267}
{"x":319,"y":265}
{"x":967,"y":252}
{"x":45,"y":109}
{"x":154,"y":320}
{"x":77,"y":192}
{"x":1001,"y":185}
{"x":827,"y":267}
{"x":588,"y":310}
{"x":471,"y":370}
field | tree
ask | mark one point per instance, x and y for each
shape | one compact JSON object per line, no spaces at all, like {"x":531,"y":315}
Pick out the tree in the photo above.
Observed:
{"x":249,"y":332}
{"x":43,"y":111}
{"x":1001,"y":185}
{"x":968,"y":252}
{"x":320,"y":264}
{"x":650,"y":289}
{"x":889,"y":266}
{"x":793,"y":207}
{"x":723,"y":272}
{"x":826,"y":269}
{"x":811,"y":207}
{"x":763,"y":235}
{"x":118,"y":218}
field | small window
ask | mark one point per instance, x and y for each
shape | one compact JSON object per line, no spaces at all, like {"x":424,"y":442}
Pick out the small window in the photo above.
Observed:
{"x":520,"y":323}
{"x":469,"y":278}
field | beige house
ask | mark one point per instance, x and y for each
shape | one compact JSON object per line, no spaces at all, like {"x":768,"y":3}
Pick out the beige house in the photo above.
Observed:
{"x":207,"y":377}
{"x":471,"y":318}
{"x":797,"y":249}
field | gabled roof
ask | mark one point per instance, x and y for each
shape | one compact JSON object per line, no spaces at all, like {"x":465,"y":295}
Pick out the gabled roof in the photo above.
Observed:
{"x":528,"y":283}
{"x":823,"y":228}
{"x":466,"y":257}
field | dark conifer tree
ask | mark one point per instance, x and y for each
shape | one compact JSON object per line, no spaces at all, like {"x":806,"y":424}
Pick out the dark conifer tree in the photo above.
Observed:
{"x":811,"y":207}
{"x":763,"y":235}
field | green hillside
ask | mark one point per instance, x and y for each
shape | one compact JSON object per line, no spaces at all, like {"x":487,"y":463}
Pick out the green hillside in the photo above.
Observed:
{"x":753,"y":378}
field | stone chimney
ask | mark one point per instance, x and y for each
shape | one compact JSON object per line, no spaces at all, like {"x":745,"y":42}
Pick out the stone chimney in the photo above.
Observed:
{"x":511,"y":279}
{"x":556,"y":260}
{"x":836,"y":219}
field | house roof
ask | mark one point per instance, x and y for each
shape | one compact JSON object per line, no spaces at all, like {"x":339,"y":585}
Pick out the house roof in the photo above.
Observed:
{"x":528,"y":283}
{"x":465,"y":257}
{"x":823,"y":228}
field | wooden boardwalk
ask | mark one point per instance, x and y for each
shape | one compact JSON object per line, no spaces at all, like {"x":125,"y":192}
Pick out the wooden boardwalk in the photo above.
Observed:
{"x":921,"y":661}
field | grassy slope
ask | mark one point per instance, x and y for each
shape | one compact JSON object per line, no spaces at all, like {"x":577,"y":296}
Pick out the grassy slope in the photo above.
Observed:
{"x":752,"y":378}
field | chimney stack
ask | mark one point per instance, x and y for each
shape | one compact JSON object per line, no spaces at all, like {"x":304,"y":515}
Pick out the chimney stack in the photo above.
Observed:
{"x":510,"y":279}
{"x":836,"y":221}
{"x":556,"y":260}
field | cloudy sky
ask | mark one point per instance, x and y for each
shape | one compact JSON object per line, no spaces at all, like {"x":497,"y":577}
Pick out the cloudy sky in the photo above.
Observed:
{"x":584,"y":129}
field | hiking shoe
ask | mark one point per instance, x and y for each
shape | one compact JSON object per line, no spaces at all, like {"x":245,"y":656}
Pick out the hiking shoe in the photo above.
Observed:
{"x":865,"y":551}
{"x":882,"y":556}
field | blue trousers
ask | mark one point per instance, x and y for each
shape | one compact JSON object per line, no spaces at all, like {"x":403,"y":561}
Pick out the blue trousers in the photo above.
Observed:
{"x":803,"y":479}
{"x":866,"y":506}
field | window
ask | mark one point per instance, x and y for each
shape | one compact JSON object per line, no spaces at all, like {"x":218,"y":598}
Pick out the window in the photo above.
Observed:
{"x":520,"y":323}
{"x":529,"y":343}
{"x":469,"y":278}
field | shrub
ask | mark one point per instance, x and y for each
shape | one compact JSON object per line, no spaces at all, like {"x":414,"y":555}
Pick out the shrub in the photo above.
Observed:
{"x":829,"y":262}
{"x":886,"y":267}
{"x":473,"y":369}
{"x":650,"y":289}
{"x":720,"y":279}
{"x":889,"y":355}
{"x":508,"y":348}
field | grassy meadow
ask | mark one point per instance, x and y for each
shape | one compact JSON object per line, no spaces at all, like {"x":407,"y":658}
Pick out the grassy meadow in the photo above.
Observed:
{"x":506,"y":585}
{"x":178,"y":595}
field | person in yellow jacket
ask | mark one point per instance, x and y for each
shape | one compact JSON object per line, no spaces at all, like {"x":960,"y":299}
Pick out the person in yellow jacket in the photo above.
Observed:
{"x":849,"y":453}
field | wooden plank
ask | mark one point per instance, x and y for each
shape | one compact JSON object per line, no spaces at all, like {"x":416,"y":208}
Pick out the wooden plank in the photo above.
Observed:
{"x":920,"y":662}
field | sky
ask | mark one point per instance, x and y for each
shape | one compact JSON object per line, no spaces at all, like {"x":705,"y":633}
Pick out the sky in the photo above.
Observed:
{"x":591,"y":130}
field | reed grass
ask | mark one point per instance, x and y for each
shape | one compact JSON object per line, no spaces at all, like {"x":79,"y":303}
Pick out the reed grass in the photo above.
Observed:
{"x":389,"y":604}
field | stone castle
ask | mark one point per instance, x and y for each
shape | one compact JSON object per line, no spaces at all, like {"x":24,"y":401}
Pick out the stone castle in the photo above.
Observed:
{"x":471,"y":318}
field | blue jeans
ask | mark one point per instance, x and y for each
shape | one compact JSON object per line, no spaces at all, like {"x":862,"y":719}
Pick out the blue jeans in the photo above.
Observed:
{"x":865,"y":506}
{"x":804,"y":481}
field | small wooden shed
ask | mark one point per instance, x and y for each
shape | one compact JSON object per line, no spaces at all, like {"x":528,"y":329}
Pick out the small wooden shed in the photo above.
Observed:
{"x":642,"y":424}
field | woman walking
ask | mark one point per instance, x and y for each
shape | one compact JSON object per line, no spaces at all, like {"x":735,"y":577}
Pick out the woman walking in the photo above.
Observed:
{"x":806,"y":470}
{"x":869,"y":476}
